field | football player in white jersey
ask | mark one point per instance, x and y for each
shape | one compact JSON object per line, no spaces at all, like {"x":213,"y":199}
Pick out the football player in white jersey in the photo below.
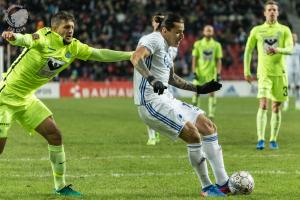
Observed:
{"x":293,"y":71}
{"x":153,"y":136}
{"x":153,"y":73}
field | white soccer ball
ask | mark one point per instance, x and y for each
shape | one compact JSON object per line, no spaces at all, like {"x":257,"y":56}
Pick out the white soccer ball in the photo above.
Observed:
{"x":241,"y":183}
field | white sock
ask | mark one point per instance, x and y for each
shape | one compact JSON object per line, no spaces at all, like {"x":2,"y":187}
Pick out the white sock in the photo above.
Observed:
{"x":213,"y":152}
{"x":199,"y":164}
{"x":151,"y":133}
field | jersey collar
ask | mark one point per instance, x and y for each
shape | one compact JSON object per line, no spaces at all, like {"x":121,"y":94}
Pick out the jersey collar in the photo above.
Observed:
{"x":165,"y":42}
{"x":271,"y":25}
{"x":58,"y":38}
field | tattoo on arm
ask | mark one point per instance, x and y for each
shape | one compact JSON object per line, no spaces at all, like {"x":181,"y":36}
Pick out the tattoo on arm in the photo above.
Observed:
{"x":142,"y":68}
{"x":179,"y":82}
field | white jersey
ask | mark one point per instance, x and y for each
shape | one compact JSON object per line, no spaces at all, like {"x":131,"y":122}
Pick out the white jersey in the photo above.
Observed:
{"x":293,"y":61}
{"x":159,"y":63}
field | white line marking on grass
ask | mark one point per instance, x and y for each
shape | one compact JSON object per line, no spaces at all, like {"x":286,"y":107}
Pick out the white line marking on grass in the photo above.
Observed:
{"x":149,"y":174}
{"x":146,"y":157}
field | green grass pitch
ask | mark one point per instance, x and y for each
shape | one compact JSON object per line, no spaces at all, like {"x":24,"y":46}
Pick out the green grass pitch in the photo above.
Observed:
{"x":107,"y":155}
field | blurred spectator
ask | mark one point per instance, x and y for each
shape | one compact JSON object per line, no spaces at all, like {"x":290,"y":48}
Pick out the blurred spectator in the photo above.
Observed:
{"x":117,"y":24}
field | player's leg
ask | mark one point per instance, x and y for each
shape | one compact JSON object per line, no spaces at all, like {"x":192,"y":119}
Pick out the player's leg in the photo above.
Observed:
{"x":275,"y":124}
{"x":151,"y":136}
{"x":261,"y":123}
{"x":164,"y":117}
{"x":38,"y":118}
{"x":191,"y":136}
{"x":2,"y":144}
{"x":6,"y":118}
{"x":212,"y":102}
{"x":279,"y":95}
{"x":264,"y":93}
{"x":213,"y":150}
{"x":209,"y":146}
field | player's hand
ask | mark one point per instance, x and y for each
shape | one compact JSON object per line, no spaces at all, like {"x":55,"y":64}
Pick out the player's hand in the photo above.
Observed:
{"x":208,"y":87}
{"x":272,"y":50}
{"x":218,"y":77}
{"x":9,"y":36}
{"x":248,"y":79}
{"x":157,"y":85}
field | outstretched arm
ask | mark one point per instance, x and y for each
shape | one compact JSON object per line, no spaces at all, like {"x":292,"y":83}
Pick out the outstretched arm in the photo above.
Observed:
{"x":18,"y":39}
{"x":107,"y":55}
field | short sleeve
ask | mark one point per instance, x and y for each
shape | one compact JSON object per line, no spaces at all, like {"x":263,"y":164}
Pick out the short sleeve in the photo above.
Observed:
{"x":195,"y":51}
{"x":84,"y":51}
{"x":151,"y":42}
{"x":219,"y":53}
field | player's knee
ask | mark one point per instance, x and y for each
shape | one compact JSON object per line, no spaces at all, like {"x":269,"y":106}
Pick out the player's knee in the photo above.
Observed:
{"x":54,"y":138}
{"x":205,"y":126}
{"x":190,"y":134}
{"x":194,"y":137}
{"x":263,"y":103}
{"x":276,"y":107}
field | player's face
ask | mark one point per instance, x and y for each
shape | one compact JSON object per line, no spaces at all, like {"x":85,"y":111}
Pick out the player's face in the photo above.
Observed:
{"x":208,"y":31}
{"x":175,"y":35}
{"x":66,"y":30}
{"x":271,"y":13}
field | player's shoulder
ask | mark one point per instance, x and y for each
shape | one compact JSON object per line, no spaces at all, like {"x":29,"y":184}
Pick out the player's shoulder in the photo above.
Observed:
{"x":197,"y":43}
{"x":154,"y":37}
{"x":285,"y":27}
{"x":257,"y":28}
{"x":44,"y":31}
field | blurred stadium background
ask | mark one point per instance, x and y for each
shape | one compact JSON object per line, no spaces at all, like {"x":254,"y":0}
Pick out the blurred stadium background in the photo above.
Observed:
{"x":104,"y":139}
{"x":118,"y":24}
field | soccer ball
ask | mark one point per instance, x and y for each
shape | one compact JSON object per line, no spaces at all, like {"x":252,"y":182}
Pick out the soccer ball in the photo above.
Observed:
{"x":241,"y":183}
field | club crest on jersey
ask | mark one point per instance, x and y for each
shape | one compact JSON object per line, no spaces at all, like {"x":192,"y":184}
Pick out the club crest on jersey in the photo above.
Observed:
{"x":68,"y":55}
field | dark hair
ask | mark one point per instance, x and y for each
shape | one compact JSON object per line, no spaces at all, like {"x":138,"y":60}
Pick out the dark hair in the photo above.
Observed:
{"x":271,"y":2}
{"x":61,"y":15}
{"x":169,"y":20}
{"x":158,"y":17}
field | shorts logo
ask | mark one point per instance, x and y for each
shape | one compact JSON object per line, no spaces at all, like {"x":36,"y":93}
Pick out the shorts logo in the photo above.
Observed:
{"x":180,"y":117}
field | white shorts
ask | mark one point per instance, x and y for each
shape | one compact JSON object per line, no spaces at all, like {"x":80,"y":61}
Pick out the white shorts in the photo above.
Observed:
{"x":168,"y":115}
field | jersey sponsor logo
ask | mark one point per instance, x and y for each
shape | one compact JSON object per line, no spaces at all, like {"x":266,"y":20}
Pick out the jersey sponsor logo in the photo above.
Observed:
{"x":208,"y":54}
{"x":50,"y":68}
{"x":271,"y":41}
